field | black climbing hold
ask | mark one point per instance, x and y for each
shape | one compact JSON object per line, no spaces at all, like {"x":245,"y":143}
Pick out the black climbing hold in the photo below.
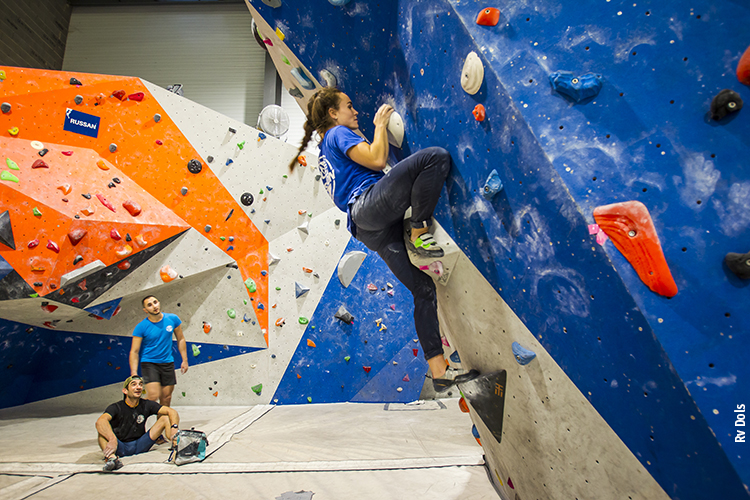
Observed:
{"x":43,"y":152}
{"x":295,"y":92}
{"x":344,"y":315}
{"x":231,"y":212}
{"x":233,"y":266}
{"x":210,"y":159}
{"x":184,"y":191}
{"x":157,"y":117}
{"x":38,"y":283}
{"x":6,"y":230}
{"x":75,"y":81}
{"x":112,"y":147}
{"x":5,"y":107}
{"x":231,"y":130}
{"x":76,"y":216}
{"x":111,"y":185}
{"x":86,"y":195}
{"x":247,"y":199}
{"x":738,"y":263}
{"x":78,"y":99}
{"x":194,"y":166}
{"x":116,"y":180}
{"x":127,"y":237}
{"x":486,"y":394}
{"x":726,"y":102}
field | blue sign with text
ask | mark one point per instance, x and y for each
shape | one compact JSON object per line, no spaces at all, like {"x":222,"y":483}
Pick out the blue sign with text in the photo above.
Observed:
{"x":81,"y":123}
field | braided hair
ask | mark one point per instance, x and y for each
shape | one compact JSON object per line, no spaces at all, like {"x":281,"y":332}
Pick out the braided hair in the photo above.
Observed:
{"x":318,"y":118}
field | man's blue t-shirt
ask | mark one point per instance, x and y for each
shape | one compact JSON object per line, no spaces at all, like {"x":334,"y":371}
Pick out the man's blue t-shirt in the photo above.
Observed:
{"x":156,"y":346}
{"x":344,"y":178}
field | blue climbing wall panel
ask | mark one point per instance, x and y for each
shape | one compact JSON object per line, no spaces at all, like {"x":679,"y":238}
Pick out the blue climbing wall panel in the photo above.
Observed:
{"x":647,"y":136}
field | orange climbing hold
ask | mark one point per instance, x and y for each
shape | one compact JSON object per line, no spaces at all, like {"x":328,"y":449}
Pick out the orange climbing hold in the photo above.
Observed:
{"x":302,"y":160}
{"x":463,"y":406}
{"x":167,"y":274}
{"x":310,"y":343}
{"x":280,"y":322}
{"x":65,"y":188}
{"x":102,"y":165}
{"x":307,"y":270}
{"x":88,"y":210}
{"x":206,"y":327}
{"x":216,"y":394}
{"x":629,"y":226}
{"x":132,"y":207}
{"x":488,"y":17}
{"x":743,"y":68}
{"x":479,"y":112}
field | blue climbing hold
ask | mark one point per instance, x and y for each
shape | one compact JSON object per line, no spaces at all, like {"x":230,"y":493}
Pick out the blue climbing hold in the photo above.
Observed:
{"x":267,"y":221}
{"x":576,"y":88}
{"x":230,"y":247}
{"x":269,"y":188}
{"x":455,"y":357}
{"x":301,"y":77}
{"x":263,"y":273}
{"x":246,"y":318}
{"x":229,"y":161}
{"x":492,"y":186}
{"x":261,"y":307}
{"x":522,"y":355}
{"x":339,"y":3}
{"x":475,"y":432}
{"x":261,"y":136}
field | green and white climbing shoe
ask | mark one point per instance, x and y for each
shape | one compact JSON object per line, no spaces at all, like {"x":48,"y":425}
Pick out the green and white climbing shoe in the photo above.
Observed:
{"x":425,"y":245}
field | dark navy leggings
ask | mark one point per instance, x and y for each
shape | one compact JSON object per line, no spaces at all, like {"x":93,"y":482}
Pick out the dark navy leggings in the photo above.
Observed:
{"x":378,"y":214}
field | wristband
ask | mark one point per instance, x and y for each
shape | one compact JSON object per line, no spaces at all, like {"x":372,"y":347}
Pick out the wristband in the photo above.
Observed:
{"x":175,"y":426}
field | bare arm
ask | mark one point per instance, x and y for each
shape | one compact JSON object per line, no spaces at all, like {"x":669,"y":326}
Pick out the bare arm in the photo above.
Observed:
{"x":182,"y":347}
{"x":135,"y":349}
{"x":375,"y":155}
{"x":104,"y":428}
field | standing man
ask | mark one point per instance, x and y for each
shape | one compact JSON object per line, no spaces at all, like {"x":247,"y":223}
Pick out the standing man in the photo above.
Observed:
{"x":154,"y":334}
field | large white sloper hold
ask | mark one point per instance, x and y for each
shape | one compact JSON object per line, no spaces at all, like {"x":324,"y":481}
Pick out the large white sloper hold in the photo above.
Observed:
{"x":395,"y":129}
{"x":473,"y":74}
{"x":349,"y":265}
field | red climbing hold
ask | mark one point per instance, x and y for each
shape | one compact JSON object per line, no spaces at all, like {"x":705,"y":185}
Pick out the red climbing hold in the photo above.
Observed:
{"x":478,"y":112}
{"x":463,"y":406}
{"x":367,"y":369}
{"x":132,"y":207}
{"x":138,"y":96}
{"x":120,"y":94}
{"x":115,"y":235}
{"x":53,"y":246}
{"x":510,"y":483}
{"x":488,"y":17}
{"x":67,"y":153}
{"x":416,"y":352}
{"x":76,"y":235}
{"x":158,"y":142}
{"x":39,"y":164}
{"x":49,"y":308}
{"x":105,"y":202}
{"x":33,"y":243}
{"x":629,"y":226}
{"x":406,"y":378}
{"x":743,"y":68}
{"x":124,"y":265}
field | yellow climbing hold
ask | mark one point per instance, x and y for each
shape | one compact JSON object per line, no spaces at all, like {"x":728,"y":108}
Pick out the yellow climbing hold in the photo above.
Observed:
{"x":280,"y":34}
{"x":13,"y":131}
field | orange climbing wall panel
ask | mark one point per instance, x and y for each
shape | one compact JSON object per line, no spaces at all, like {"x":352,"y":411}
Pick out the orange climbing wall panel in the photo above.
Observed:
{"x":39,"y":101}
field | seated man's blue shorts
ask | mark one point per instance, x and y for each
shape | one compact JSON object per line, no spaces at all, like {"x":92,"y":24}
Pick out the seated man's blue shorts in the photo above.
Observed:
{"x":140,"y":445}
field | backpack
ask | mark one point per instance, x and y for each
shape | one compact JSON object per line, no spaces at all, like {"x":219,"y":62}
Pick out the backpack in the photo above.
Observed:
{"x":190,"y":446}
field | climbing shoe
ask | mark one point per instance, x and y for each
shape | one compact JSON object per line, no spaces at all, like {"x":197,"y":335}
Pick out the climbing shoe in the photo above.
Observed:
{"x":112,"y":464}
{"x":452,"y":377}
{"x":425,"y":245}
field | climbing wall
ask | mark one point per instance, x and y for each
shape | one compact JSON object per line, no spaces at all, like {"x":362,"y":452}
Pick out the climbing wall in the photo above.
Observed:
{"x":114,"y":189}
{"x":619,"y":196}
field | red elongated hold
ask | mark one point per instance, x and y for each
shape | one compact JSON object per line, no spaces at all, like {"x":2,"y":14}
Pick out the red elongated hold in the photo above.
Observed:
{"x":367,"y":369}
{"x":510,"y":483}
{"x":120,"y":94}
{"x":105,"y":202}
{"x":76,"y":235}
{"x":158,"y":142}
{"x":33,"y":243}
{"x":478,"y":112}
{"x":138,"y":96}
{"x":488,"y":17}
{"x":49,"y":308}
{"x":49,"y":324}
{"x":53,"y":246}
{"x":75,"y":300}
{"x":132,"y":207}
{"x":115,"y":235}
{"x":629,"y":226}
{"x":67,"y":153}
{"x":117,"y":311}
{"x":416,"y":352}
{"x":268,"y":42}
{"x":743,"y":68}
{"x":39,"y":164}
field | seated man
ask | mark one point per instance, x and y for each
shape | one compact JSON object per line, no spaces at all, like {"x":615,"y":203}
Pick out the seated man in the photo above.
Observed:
{"x":122,"y":426}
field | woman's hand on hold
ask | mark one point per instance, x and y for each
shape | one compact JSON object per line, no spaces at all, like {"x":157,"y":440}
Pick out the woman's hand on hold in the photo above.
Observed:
{"x":383,"y":115}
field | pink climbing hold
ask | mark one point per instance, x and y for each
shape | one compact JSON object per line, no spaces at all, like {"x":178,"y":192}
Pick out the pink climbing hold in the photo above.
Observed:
{"x":53,"y":246}
{"x":510,"y":483}
{"x":406,"y":378}
{"x":105,"y":202}
{"x":393,"y":307}
{"x":33,"y":243}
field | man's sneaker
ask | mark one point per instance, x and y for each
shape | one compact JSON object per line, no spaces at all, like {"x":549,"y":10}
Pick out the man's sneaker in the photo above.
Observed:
{"x":112,"y":464}
{"x":452,"y":377}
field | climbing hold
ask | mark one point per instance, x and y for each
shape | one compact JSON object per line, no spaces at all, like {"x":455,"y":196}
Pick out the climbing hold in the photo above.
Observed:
{"x":269,"y":188}
{"x":195,"y":166}
{"x":140,"y":241}
{"x":268,"y":42}
{"x":36,"y":212}
{"x":138,"y":96}
{"x":475,"y":433}
{"x":328,"y":77}
{"x":75,"y":81}
{"x":231,"y":212}
{"x":47,"y":307}
{"x":349,"y":265}
{"x":488,"y":17}
{"x":247,"y":199}
{"x":492,"y":186}
{"x":726,"y":102}
{"x":250,"y":284}
{"x":280,"y":322}
{"x":247,"y":318}
{"x":631,"y":229}
{"x":12,"y":165}
{"x":6,"y":231}
{"x":367,"y":369}
{"x":2,"y":75}
{"x":261,"y":136}
{"x":522,"y":355}
{"x":207,"y":228}
{"x":372,"y":288}
{"x":115,"y":235}
{"x":124,"y":265}
{"x":415,"y":352}
{"x":303,"y":321}
{"x":257,"y":389}
{"x":344,"y":315}
{"x":39,"y":164}
{"x":119,"y":94}
{"x":7,"y":176}
{"x":65,"y":188}
{"x":395,"y":129}
{"x":479,"y":112}
{"x":307,"y":270}
{"x":67,"y":153}
{"x":300,"y":290}
{"x":463,"y":406}
{"x":302,"y":160}
{"x":309,"y":399}
{"x":310,"y":343}
{"x":206,"y":327}
{"x":472,"y":74}
{"x":196,"y":350}
{"x":53,"y":246}
{"x":280,"y":34}
{"x":102,"y":165}
{"x":337,"y":222}
{"x":261,"y":307}
{"x":43,"y":152}
{"x":5,"y":107}
{"x":285,"y":60}
{"x":576,"y":88}
{"x":167,"y":274}
{"x":232,"y":313}
{"x":455,"y":357}
{"x":267,"y":221}
{"x":301,"y":77}
{"x":116,"y":180}
{"x":157,"y":118}
{"x":132,"y":207}
{"x":304,"y":227}
{"x":743,"y":68}
{"x":241,"y":145}
{"x":184,"y":191}
{"x":158,"y":142}
{"x":86,"y":195}
{"x":294,"y":92}
{"x":738,"y":263}
{"x":112,"y":147}
{"x":406,"y":378}
{"x":13,"y":131}
{"x":78,"y":99}
{"x":104,"y":202}
{"x":127,"y":250}
{"x":272,"y":259}
{"x":510,"y":483}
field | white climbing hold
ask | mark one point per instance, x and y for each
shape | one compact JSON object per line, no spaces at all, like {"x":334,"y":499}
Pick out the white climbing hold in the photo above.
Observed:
{"x":349,"y":265}
{"x":305,"y":228}
{"x":472,"y":74}
{"x":396,"y":129}
{"x":272,"y":259}
{"x":328,"y":77}
{"x":300,"y":290}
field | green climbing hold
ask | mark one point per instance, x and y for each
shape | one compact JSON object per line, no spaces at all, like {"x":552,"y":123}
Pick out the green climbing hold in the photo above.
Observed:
{"x":285,"y":176}
{"x":313,"y":327}
{"x":222,"y":238}
{"x":241,"y":144}
{"x":303,"y":320}
{"x":278,"y":288}
{"x":183,"y":394}
{"x":232,"y":313}
{"x":11,"y":164}
{"x":196,"y":350}
{"x":37,"y":212}
{"x":347,"y":358}
{"x":250,"y":284}
{"x":286,"y":61}
{"x":309,"y":399}
{"x":261,"y":190}
{"x":245,"y":301}
{"x":7,"y":176}
{"x":257,"y":389}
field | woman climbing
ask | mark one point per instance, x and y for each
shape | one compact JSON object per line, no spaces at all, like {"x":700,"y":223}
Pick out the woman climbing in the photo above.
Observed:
{"x":375,"y":203}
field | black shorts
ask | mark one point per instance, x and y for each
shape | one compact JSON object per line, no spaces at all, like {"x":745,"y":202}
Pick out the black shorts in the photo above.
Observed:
{"x":163,"y":373}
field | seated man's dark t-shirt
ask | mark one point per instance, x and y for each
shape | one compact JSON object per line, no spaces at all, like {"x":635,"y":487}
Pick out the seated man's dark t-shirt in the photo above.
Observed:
{"x":129,"y":423}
